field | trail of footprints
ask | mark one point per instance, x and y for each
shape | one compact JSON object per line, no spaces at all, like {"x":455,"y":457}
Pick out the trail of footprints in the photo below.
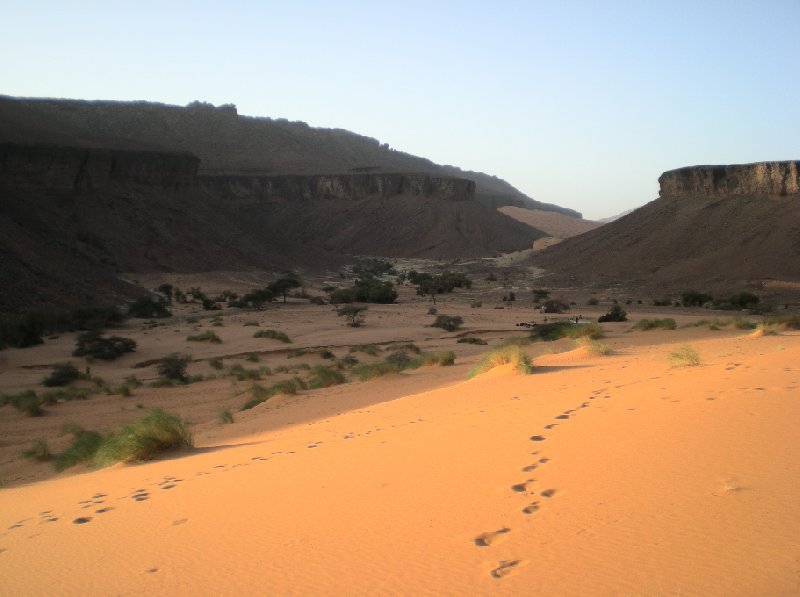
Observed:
{"x":530,"y":488}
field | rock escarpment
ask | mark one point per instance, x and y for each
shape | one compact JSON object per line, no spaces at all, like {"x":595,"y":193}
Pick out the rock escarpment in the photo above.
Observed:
{"x":72,"y":169}
{"x":342,"y":186}
{"x":762,"y":178}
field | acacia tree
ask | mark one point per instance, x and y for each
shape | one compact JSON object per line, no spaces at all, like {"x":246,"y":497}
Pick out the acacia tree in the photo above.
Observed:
{"x":284,"y":284}
{"x":355,"y":313}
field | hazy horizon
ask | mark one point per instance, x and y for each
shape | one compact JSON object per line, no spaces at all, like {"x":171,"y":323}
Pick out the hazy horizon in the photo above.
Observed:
{"x":582,"y":106}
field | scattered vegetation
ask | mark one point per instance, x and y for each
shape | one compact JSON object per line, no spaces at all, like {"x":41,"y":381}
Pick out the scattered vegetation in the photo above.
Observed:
{"x":207,"y":336}
{"x":274,"y":334}
{"x":353,"y":313}
{"x":39,"y":451}
{"x":262,"y":394}
{"x":82,"y":449}
{"x":502,"y":356}
{"x":323,"y":377}
{"x":29,"y":329}
{"x":692,"y":298}
{"x":596,"y":348}
{"x":370,"y":349}
{"x":651,"y":324}
{"x":685,"y":356}
{"x":216,"y":363}
{"x":365,"y":290}
{"x":428,"y":285}
{"x":148,"y":307}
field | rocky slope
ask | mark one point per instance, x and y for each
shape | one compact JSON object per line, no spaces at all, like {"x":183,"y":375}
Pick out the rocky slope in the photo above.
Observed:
{"x":228,"y":143}
{"x":712,"y":227}
{"x":73,"y":218}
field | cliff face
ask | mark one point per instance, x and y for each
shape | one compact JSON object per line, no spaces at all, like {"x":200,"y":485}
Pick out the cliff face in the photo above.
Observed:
{"x":341,"y":186}
{"x":59,"y":168}
{"x":762,"y":178}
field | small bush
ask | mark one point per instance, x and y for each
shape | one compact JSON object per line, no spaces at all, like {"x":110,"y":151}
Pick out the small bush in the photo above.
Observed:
{"x":616,"y":313}
{"x":93,"y":345}
{"x":216,"y":363}
{"x":788,"y":322}
{"x":354,"y":313}
{"x":443,"y":359}
{"x":146,"y":307}
{"x":273,"y":334}
{"x":742,"y":323}
{"x":132,"y":381}
{"x":242,"y":374}
{"x":584,"y":330}
{"x":261,"y":394}
{"x":62,"y":374}
{"x":595,"y":348}
{"x":766,"y":329}
{"x":250,"y":323}
{"x":372,"y":370}
{"x":472,"y":340}
{"x":665,"y":302}
{"x":409,"y":346}
{"x":143,"y":439}
{"x":549,"y":332}
{"x":39,"y":452}
{"x":207,"y":336}
{"x":432,"y":311}
{"x":685,"y":356}
{"x":67,"y":394}
{"x":173,"y":367}
{"x":447,"y":322}
{"x":692,"y":298}
{"x":742,"y":300}
{"x":323,"y":377}
{"x":475,"y":304}
{"x":400,"y":358}
{"x":501,"y":356}
{"x":592,"y":302}
{"x":316,"y":300}
{"x":652,"y":324}
{"x":225,"y":417}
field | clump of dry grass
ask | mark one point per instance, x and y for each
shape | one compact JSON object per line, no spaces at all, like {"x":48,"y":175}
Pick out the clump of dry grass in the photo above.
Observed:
{"x":593,"y":347}
{"x":501,"y":356}
{"x":685,"y":356}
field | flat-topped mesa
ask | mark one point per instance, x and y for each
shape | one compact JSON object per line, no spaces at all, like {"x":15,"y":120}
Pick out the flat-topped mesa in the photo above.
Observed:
{"x":73,"y":169}
{"x":761,"y":178}
{"x":341,"y":186}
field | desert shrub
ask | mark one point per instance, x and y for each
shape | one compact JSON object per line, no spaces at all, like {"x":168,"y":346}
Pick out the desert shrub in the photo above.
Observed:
{"x":225,"y":417}
{"x":540,"y":294}
{"x":209,"y":304}
{"x":409,"y":346}
{"x":592,"y":301}
{"x":250,"y":323}
{"x":472,"y":340}
{"x":367,"y":290}
{"x":692,"y":298}
{"x":242,"y":374}
{"x":372,"y":370}
{"x":61,"y":375}
{"x":207,"y":336}
{"x":93,"y":345}
{"x":651,"y":324}
{"x":82,"y":449}
{"x":399,"y":358}
{"x":374,"y":267}
{"x":549,"y":332}
{"x":39,"y":452}
{"x":370,"y":349}
{"x":491,"y":278}
{"x":316,"y":300}
{"x":765,"y":328}
{"x":254,"y":299}
{"x":173,"y":367}
{"x":788,"y":322}
{"x":449,"y":323}
{"x":273,"y":334}
{"x":432,"y":311}
{"x":253,"y":357}
{"x":475,"y":304}
{"x":284,"y":284}
{"x":348,"y":360}
{"x":122,"y":390}
{"x":143,"y":439}
{"x":515,"y":341}
{"x":664,"y":302}
{"x":147,"y":307}
{"x":132,"y":381}
{"x":584,"y":330}
{"x":685,"y":356}
{"x":428,"y":285}
{"x":26,"y":402}
{"x":742,"y":300}
{"x":216,"y":363}
{"x":323,"y":377}
{"x":353,"y":313}
{"x":501,"y":356}
{"x":616,"y":313}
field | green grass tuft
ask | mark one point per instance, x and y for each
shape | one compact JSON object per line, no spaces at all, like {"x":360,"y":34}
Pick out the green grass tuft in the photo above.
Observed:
{"x":225,"y":417}
{"x":324,"y":377}
{"x":39,"y":451}
{"x":501,"y":356}
{"x":83,"y":448}
{"x":370,"y":349}
{"x":143,"y":439}
{"x":652,"y":324}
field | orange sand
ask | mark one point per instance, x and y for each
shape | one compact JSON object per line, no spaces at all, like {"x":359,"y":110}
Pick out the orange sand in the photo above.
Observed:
{"x":615,"y":475}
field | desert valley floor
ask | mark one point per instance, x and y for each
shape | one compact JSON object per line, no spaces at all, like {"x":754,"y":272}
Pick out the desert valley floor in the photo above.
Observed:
{"x":617,"y":474}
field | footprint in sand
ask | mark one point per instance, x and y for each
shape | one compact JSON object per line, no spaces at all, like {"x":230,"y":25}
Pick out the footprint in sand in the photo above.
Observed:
{"x":548,"y":493}
{"x":530,"y":468}
{"x":551,"y":426}
{"x":537,"y":438}
{"x":544,"y":460}
{"x":505,"y":568}
{"x":179,"y":522}
{"x":141,"y":495}
{"x":490,"y":537}
{"x":584,"y":405}
{"x":521,"y":487}
{"x":531,"y":508}
{"x":562,"y":417}
{"x":82,"y":520}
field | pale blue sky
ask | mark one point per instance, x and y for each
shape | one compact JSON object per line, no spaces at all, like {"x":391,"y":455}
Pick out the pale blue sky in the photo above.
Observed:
{"x":582,"y":104}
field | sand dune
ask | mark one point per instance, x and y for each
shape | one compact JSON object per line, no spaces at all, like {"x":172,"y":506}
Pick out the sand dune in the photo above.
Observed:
{"x":595,"y":475}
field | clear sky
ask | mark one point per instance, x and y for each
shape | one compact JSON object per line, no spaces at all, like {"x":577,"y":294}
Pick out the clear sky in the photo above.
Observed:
{"x":582,"y":104}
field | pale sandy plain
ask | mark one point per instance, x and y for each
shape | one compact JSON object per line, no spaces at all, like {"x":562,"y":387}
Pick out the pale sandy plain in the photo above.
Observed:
{"x":595,"y":475}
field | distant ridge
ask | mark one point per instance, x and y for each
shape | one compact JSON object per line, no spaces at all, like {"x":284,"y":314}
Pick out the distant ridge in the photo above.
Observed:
{"x":712,"y":227}
{"x":228,"y":143}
